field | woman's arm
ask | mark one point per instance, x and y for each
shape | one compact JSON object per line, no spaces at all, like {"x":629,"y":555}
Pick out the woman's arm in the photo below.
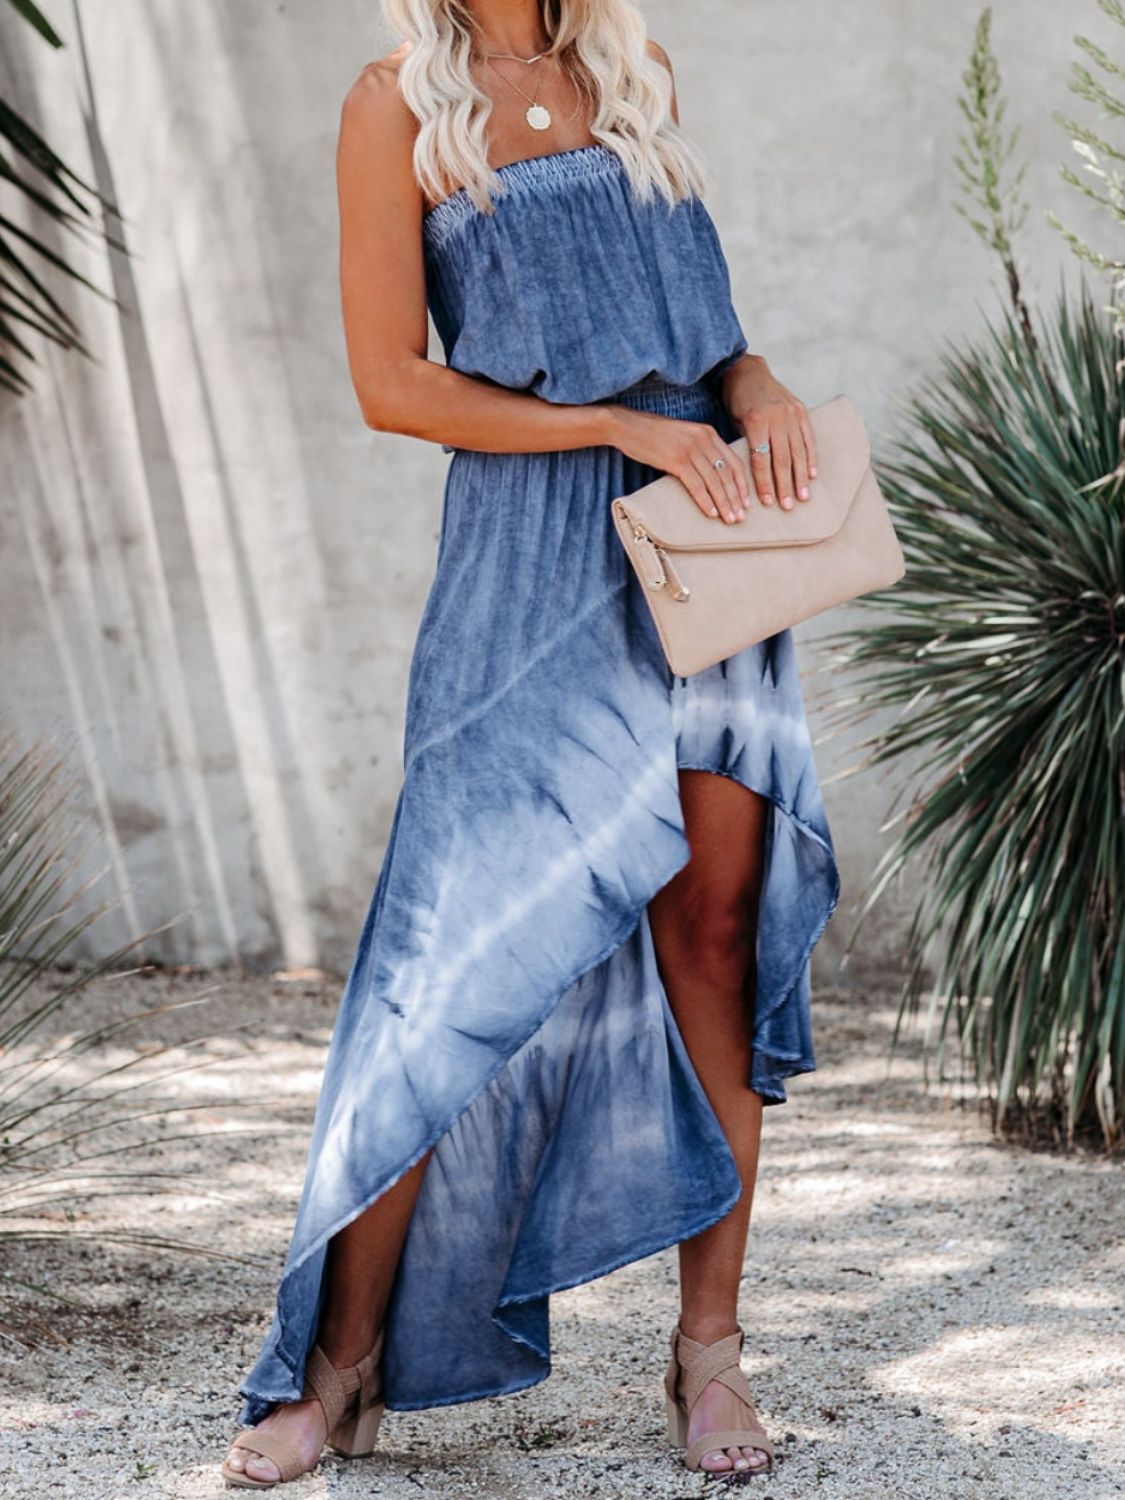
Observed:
{"x":382,"y":282}
{"x":382,"y":278}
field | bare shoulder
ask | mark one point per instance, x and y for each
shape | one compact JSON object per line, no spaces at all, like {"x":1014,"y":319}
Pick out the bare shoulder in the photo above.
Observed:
{"x":375,"y":152}
{"x":374,"y":103}
{"x":658,"y":54}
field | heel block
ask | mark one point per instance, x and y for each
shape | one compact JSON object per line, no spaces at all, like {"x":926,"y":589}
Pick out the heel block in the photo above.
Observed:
{"x":356,"y":1438}
{"x":677,"y":1422}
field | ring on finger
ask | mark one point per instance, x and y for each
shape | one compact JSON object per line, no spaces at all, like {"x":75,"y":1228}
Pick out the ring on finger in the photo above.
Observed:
{"x":720,"y":463}
{"x":761,"y":448}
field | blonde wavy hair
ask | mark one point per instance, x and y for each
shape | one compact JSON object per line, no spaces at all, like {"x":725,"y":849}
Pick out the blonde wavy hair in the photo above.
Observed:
{"x":601,"y":43}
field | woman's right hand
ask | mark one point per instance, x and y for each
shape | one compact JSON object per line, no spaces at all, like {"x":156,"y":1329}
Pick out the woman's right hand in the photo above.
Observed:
{"x":688,"y":450}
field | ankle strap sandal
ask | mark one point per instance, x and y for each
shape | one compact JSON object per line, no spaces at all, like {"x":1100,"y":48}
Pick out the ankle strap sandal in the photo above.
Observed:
{"x":693,"y":1366}
{"x":351,"y":1399}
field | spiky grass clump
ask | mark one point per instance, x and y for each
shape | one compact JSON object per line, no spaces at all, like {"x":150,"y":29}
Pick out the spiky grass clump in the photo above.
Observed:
{"x":77,"y":1123}
{"x":1001,"y":658}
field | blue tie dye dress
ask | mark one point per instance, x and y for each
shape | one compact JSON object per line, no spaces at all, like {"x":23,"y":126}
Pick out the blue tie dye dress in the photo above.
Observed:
{"x":504,"y":1001}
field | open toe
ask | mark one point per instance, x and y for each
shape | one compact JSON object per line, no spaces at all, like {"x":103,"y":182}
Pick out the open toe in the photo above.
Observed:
{"x":692,"y":1367}
{"x":258,"y":1466}
{"x":262,"y":1451}
{"x":352,"y":1406}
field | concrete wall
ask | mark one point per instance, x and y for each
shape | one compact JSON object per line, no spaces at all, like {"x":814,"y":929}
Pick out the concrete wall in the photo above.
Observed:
{"x":212,"y":572}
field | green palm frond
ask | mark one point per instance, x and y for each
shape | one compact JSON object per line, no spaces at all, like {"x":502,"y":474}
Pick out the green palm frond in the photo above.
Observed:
{"x":31,"y":171}
{"x":33,"y":14}
{"x":1001,"y":661}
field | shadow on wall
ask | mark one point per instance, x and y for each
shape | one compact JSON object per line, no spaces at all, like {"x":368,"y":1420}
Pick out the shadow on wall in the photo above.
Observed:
{"x":230,"y":568}
{"x":177,"y":561}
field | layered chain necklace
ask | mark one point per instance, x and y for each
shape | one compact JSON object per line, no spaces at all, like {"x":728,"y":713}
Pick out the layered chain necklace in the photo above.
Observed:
{"x":537,"y":115}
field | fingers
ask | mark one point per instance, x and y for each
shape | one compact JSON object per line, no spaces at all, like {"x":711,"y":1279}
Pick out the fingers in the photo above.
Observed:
{"x":782,"y":472}
{"x":799,"y":457}
{"x":719,"y":490}
{"x":697,"y":489}
{"x":722,"y":484}
{"x":810,"y":441}
{"x":736,"y":468}
{"x":782,"y":466}
{"x":757,"y":429}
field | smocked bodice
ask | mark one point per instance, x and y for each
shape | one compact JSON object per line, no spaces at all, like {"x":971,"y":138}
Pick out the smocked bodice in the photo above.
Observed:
{"x":573,"y":288}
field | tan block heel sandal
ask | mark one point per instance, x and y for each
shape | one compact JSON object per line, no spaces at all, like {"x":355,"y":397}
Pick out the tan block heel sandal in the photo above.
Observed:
{"x":692,"y":1367}
{"x":351,"y":1399}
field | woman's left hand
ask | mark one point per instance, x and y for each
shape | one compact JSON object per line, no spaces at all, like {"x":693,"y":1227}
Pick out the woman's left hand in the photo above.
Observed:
{"x":768,"y":412}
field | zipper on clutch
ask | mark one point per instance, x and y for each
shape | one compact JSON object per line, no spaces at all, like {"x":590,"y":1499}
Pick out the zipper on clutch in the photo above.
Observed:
{"x":680,"y":591}
{"x":662,"y":573}
{"x":650,"y":558}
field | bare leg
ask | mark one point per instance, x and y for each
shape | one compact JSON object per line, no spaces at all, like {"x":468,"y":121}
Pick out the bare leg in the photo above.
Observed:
{"x":704,"y":926}
{"x":359,"y":1271}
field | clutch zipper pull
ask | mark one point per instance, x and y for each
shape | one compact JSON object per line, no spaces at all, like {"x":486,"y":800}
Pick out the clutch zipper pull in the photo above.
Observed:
{"x":650,"y":555}
{"x":679,"y":589}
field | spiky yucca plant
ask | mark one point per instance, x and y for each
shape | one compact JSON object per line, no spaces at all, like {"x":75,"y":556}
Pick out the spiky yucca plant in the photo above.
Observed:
{"x":1002,"y":660}
{"x":997,"y":673}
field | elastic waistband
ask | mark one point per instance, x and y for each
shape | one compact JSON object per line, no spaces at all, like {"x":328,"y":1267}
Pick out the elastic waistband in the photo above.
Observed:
{"x":667,"y":397}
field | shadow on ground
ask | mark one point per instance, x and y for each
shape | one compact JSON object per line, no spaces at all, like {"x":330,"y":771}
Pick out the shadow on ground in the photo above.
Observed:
{"x":929,"y":1314}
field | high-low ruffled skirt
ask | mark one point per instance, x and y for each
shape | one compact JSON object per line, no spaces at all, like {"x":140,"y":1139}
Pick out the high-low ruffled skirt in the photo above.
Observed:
{"x":504,"y":1004}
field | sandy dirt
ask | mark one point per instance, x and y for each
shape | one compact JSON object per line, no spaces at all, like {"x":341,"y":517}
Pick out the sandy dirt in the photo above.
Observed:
{"x":929,"y":1313}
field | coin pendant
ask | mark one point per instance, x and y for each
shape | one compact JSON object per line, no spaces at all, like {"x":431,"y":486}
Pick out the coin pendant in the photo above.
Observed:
{"x":538,"y":117}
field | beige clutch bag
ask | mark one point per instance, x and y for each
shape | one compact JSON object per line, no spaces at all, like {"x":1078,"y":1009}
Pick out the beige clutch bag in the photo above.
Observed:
{"x":716,"y":587}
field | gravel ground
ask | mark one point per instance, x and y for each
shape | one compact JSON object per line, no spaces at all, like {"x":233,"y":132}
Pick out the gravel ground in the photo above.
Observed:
{"x":928,"y":1313}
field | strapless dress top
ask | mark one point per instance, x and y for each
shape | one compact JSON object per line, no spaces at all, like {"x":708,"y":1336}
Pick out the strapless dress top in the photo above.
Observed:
{"x":573,"y":288}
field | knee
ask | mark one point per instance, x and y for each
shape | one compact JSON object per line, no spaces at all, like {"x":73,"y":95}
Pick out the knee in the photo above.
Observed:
{"x":713,"y":938}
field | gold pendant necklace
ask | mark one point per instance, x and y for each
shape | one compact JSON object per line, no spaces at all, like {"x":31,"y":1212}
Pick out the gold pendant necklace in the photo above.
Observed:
{"x":537,"y":115}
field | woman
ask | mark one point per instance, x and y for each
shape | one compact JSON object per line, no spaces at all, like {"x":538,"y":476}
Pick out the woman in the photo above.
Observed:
{"x":584,"y":970}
